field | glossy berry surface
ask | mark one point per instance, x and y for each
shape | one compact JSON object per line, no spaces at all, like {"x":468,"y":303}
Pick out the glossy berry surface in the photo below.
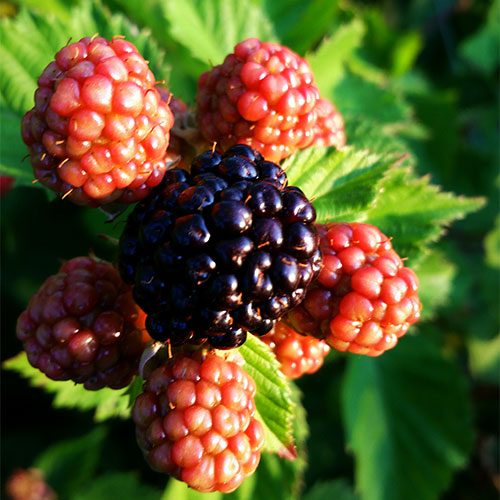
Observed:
{"x":226,"y":249}
{"x":263,"y":95}
{"x":297,"y":354}
{"x":195,"y":421}
{"x":99,"y":131}
{"x":83,"y":325}
{"x":365,"y":298}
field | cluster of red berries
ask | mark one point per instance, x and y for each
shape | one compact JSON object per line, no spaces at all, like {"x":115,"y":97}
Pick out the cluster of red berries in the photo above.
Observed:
{"x":218,"y":247}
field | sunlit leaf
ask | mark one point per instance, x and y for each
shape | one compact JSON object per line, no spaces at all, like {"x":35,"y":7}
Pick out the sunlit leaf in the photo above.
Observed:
{"x":273,"y":396}
{"x":106,"y":403}
{"x":415,"y":212}
{"x":211,"y":28}
{"x":343,"y":184}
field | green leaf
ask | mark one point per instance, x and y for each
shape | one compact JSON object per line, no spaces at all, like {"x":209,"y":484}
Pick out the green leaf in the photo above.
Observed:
{"x":408,"y":421}
{"x":273,"y":398}
{"x":405,"y":52}
{"x":492,"y":245}
{"x":328,"y":61}
{"x":290,"y":17}
{"x":12,"y":149}
{"x":211,"y":28}
{"x":376,"y":138}
{"x":282,"y":479}
{"x":354,"y":96}
{"x":107,"y":403}
{"x":29,"y":43}
{"x":70,"y":465}
{"x":436,"y":275}
{"x":122,"y":485}
{"x":484,"y":358}
{"x":415,"y":212}
{"x":337,"y":489}
{"x":342,"y":183}
{"x":481,"y":49}
{"x":61,"y":8}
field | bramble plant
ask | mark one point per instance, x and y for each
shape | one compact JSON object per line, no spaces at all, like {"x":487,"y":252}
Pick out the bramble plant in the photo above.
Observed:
{"x":226,"y":241}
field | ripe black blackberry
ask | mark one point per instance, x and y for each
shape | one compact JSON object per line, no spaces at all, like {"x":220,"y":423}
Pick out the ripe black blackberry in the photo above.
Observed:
{"x":222,"y":250}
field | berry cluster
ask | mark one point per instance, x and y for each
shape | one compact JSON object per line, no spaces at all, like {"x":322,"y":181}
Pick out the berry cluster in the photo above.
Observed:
{"x":364,"y":299}
{"x":225,"y":250}
{"x":215,"y":249}
{"x":264,"y":95}
{"x":195,"y":421}
{"x":98,"y":131}
{"x":82,"y":325}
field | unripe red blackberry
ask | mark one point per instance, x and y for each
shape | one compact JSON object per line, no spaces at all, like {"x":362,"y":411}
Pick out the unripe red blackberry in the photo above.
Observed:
{"x":195,"y":421}
{"x":262,"y":95}
{"x":297,"y":354}
{"x":98,"y":131}
{"x":83,"y":324}
{"x":224,"y":250}
{"x":364,"y":299}
{"x":329,"y":128}
{"x":28,"y":484}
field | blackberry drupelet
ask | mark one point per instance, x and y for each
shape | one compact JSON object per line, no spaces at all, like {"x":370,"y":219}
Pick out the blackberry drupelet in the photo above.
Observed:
{"x":225,"y":249}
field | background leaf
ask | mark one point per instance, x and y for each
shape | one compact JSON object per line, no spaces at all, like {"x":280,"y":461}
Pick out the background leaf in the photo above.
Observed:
{"x":408,"y":412}
{"x":106,"y":403}
{"x":70,"y":465}
{"x":289,"y":18}
{"x":211,"y":28}
{"x":329,"y":60}
{"x":436,"y":275}
{"x":338,"y":489}
{"x":127,"y":483}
